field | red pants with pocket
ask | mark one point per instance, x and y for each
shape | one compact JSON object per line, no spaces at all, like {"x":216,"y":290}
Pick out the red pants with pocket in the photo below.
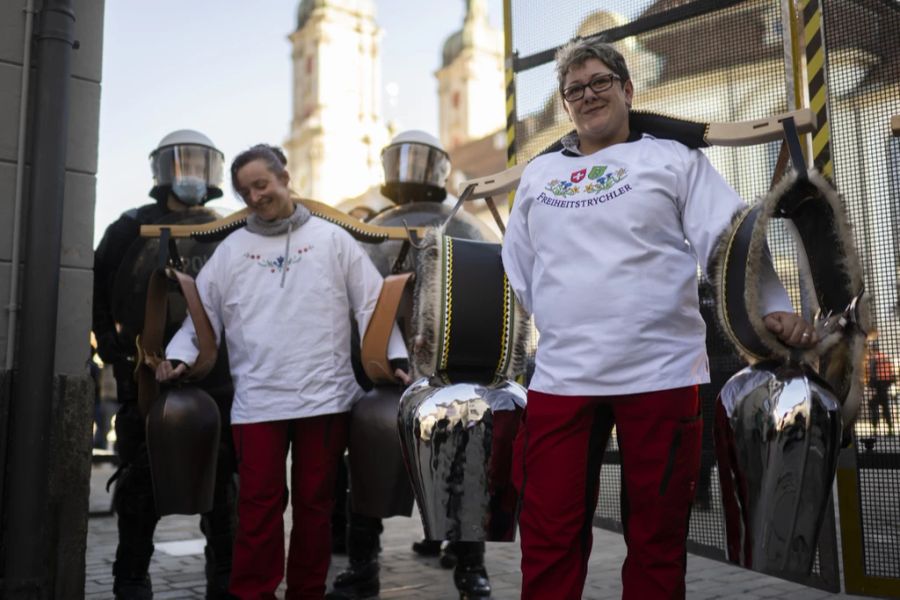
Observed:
{"x":316,"y":444}
{"x":558,"y":454}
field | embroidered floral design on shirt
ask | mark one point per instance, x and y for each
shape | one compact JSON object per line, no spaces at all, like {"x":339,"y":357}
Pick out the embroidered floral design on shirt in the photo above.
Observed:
{"x":562,"y":188}
{"x":602,"y":180}
{"x":279,"y":263}
{"x":599,"y":180}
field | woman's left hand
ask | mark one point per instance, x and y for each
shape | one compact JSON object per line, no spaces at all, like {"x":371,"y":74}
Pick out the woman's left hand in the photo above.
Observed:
{"x":791,"y":328}
{"x":169,"y":371}
{"x":403,"y":376}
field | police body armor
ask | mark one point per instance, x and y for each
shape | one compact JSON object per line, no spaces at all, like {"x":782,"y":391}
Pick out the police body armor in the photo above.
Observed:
{"x":378,"y":476}
{"x":183,"y":424}
{"x":133,"y":276}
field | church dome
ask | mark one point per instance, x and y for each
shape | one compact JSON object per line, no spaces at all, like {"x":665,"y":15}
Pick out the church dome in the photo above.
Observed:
{"x":305,"y":9}
{"x":453,"y":47}
{"x":476,"y":32}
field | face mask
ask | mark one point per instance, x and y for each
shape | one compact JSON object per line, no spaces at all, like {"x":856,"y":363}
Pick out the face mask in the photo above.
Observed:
{"x":190,"y":190}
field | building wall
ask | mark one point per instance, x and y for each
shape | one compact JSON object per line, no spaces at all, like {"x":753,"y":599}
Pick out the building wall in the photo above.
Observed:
{"x":81,"y":169}
{"x":69,"y":431}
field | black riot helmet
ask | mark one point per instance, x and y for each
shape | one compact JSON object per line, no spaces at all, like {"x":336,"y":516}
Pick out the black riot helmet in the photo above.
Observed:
{"x":189,"y":165}
{"x":416,"y":168}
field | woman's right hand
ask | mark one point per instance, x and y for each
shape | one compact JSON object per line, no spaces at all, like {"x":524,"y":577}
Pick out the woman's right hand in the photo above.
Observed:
{"x":166,"y":371}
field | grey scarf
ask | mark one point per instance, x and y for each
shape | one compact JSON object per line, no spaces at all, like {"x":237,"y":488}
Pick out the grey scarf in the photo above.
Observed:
{"x":279,"y":226}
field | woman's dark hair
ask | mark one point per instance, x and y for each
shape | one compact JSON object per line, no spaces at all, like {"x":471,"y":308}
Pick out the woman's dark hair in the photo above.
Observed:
{"x":580,"y":50}
{"x":272,"y":156}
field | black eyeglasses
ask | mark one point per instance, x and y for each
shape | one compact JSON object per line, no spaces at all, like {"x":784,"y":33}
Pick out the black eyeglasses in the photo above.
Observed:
{"x":598,"y":84}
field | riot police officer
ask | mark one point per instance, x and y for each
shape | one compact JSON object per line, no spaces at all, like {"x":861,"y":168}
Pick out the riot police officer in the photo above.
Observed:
{"x":416,"y":168}
{"x":187,"y":172}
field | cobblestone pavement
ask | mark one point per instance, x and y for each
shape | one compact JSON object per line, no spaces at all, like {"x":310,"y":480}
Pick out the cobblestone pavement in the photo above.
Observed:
{"x":177,"y":567}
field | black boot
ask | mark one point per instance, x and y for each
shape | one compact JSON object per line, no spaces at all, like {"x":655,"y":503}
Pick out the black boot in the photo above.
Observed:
{"x":361,"y":578}
{"x":470,"y":576}
{"x":131,"y":580}
{"x":427,"y":547}
{"x":125,"y":588}
{"x":218,"y":564}
{"x":136,"y":512}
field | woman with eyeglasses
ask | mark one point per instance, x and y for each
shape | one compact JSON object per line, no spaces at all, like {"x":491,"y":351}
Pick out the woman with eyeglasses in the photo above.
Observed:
{"x":602,"y":247}
{"x":282,"y":291}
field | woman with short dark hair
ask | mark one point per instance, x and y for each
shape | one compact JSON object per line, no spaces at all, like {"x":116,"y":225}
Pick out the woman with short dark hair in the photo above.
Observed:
{"x":602,"y":247}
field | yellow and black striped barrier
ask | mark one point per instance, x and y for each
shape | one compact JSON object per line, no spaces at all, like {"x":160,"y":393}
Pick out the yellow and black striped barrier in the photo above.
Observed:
{"x":817,"y":83}
{"x":510,"y":80}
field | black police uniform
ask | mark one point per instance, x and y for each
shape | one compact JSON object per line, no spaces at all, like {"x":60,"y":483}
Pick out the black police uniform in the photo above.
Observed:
{"x":117,"y":319}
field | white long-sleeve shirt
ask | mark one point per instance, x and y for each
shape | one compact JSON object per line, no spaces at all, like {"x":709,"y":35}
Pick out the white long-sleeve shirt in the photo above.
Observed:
{"x":603,"y":250}
{"x":288,"y":347}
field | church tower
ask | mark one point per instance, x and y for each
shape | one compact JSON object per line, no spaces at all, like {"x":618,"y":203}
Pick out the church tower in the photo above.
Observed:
{"x":337,"y":131}
{"x":470,"y":80}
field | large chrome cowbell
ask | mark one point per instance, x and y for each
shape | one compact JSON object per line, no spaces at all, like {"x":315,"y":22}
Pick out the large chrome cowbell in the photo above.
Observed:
{"x":457,"y":444}
{"x":778,"y":432}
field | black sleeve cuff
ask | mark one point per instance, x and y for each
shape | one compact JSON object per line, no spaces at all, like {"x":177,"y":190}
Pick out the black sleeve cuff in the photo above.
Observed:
{"x":399,"y":363}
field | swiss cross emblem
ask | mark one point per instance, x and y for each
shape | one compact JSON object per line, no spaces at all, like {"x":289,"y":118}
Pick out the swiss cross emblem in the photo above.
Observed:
{"x":578,"y":175}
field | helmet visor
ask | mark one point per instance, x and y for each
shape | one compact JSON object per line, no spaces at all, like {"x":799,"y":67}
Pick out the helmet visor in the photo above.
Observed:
{"x":187,"y":162}
{"x":415,"y":163}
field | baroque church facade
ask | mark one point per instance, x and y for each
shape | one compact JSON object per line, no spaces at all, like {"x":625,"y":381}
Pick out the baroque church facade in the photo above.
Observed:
{"x":337,"y":129}
{"x":337,"y":123}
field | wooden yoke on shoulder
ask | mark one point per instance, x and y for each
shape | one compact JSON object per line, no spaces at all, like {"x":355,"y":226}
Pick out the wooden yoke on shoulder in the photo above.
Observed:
{"x":693,"y":134}
{"x":220,"y":228}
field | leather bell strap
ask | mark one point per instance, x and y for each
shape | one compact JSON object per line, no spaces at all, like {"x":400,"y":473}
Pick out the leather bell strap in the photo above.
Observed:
{"x":378,"y":333}
{"x":150,"y":344}
{"x":738,"y":323}
{"x":815,"y":210}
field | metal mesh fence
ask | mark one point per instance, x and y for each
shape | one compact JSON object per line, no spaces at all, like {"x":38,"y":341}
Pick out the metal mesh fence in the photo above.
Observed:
{"x":725,"y":61}
{"x":863,"y":42}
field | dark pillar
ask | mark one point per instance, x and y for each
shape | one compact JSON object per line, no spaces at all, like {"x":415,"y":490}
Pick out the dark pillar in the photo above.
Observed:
{"x":25,"y":573}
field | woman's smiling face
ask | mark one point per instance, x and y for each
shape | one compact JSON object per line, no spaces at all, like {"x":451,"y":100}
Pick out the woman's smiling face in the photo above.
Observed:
{"x":266,"y":193}
{"x":601,"y":119}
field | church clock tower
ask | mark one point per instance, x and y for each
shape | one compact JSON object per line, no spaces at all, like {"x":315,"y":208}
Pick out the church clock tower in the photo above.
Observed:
{"x":470,"y":80}
{"x":337,"y":131}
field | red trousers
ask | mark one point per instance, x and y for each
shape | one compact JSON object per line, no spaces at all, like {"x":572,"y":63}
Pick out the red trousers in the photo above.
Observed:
{"x":316,"y":444}
{"x":558,"y":454}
